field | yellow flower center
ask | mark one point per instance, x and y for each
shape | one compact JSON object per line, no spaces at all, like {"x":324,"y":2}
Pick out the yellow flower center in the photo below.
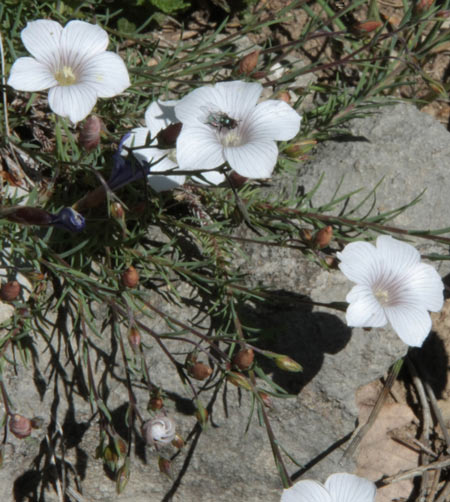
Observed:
{"x":382,"y":295}
{"x":231,"y":138}
{"x":65,"y":76}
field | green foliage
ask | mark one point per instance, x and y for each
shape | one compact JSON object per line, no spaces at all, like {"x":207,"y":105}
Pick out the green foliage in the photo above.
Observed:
{"x":166,"y":6}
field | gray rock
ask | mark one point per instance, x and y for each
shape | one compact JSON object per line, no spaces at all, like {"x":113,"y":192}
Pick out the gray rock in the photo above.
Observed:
{"x":224,"y":461}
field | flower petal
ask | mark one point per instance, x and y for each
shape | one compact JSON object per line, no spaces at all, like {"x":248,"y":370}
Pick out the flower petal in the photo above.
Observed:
{"x":360,"y":262}
{"x":398,"y":256}
{"x":209,"y":178}
{"x":106,"y":73}
{"x":159,"y":115}
{"x":426,"y":287}
{"x":237,"y":99}
{"x":306,"y":491}
{"x":189,"y":109}
{"x":41,"y":38}
{"x":411,"y":323}
{"x":274,"y":120}
{"x":30,"y":75}
{"x":198,"y":148}
{"x":73,"y":101}
{"x":345,"y":487}
{"x":253,"y":160}
{"x":364,"y":310}
{"x":81,"y":41}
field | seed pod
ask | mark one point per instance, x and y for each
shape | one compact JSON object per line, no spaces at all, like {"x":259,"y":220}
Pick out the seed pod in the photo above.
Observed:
{"x":248,"y":63}
{"x":155,"y":403}
{"x":236,"y":179}
{"x":89,"y":137}
{"x":287,"y":364}
{"x":199,"y":371}
{"x":168,"y":137}
{"x":159,"y":431}
{"x":10,"y":291}
{"x":368,"y":26}
{"x":20,"y":426}
{"x":323,"y":237}
{"x":130,"y":278}
{"x":28,"y":215}
{"x":244,"y":359}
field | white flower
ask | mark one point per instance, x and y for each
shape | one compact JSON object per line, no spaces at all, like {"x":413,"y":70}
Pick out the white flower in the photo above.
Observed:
{"x":391,"y":285}
{"x":224,"y":123}
{"x":160,"y":115}
{"x":340,"y":487}
{"x":72,"y":62}
{"x":160,"y":430}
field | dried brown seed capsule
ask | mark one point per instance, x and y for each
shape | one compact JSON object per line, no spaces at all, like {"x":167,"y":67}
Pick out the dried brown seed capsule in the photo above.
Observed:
{"x":168,"y":136}
{"x":10,"y":291}
{"x":368,"y":26}
{"x":248,"y":63}
{"x":20,"y":426}
{"x":236,"y":179}
{"x":199,"y":371}
{"x":89,"y":137}
{"x":244,"y":359}
{"x":156,"y":403}
{"x":323,"y":237}
{"x":165,"y":466}
{"x":130,"y":278}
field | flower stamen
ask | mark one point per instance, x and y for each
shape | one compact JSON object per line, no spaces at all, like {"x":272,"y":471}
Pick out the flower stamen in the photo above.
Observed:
{"x":65,"y":76}
{"x":382,"y":295}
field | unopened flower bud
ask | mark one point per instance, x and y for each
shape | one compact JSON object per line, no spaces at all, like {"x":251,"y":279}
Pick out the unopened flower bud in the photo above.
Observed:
{"x":130,"y":278}
{"x":89,"y":137}
{"x":244,"y":359}
{"x":165,"y":466}
{"x":238,"y":380}
{"x":121,"y":446}
{"x":248,"y":63}
{"x":28,"y":215}
{"x":117,"y":211}
{"x":20,"y":426}
{"x":287,"y":364}
{"x":306,"y":234}
{"x":323,"y":237}
{"x":10,"y":291}
{"x":178,"y":442}
{"x":201,"y":414}
{"x":134,"y":338}
{"x":443,"y":13}
{"x":266,"y":399}
{"x":368,"y":26}
{"x":168,"y":137}
{"x":122,"y":477}
{"x":199,"y":371}
{"x":159,"y":431}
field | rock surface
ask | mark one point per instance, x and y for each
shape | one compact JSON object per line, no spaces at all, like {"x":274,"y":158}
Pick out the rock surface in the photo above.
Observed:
{"x":223,"y":462}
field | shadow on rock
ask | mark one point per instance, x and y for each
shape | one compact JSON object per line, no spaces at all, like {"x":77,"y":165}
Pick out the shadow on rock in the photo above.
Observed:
{"x":291,"y":328}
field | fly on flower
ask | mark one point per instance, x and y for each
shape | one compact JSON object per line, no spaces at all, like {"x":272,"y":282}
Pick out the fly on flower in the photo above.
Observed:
{"x":218,"y":119}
